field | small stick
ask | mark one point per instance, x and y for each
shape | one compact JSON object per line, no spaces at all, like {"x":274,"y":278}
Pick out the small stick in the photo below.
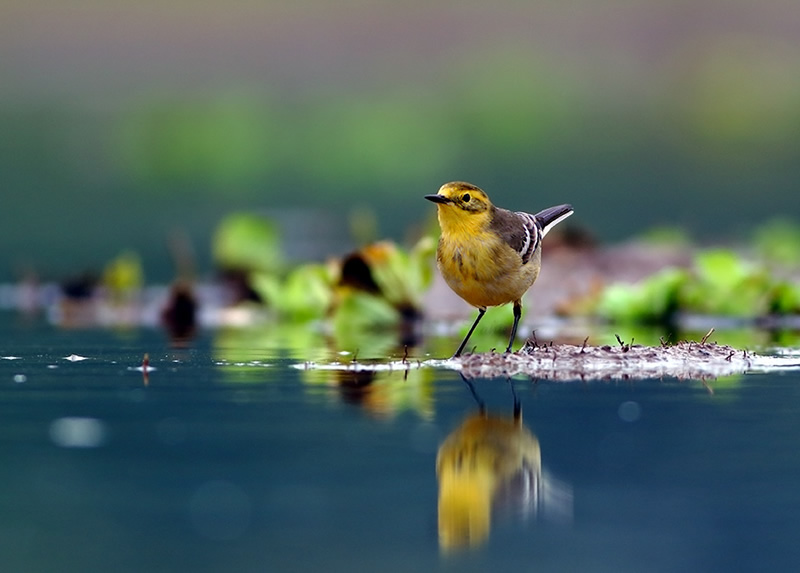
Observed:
{"x":583,"y":348}
{"x":145,"y":367}
{"x":709,"y":333}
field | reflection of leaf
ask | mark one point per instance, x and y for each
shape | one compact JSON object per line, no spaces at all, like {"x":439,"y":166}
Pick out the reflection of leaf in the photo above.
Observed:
{"x":383,"y":394}
{"x":246,"y":349}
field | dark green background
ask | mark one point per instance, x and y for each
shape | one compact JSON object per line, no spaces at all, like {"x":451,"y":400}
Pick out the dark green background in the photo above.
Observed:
{"x":122,"y":122}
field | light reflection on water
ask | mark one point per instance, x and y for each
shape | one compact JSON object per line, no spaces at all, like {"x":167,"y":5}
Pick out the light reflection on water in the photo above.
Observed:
{"x":226,"y":458}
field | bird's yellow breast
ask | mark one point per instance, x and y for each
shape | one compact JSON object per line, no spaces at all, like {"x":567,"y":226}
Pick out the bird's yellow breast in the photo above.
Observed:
{"x":483,"y":270}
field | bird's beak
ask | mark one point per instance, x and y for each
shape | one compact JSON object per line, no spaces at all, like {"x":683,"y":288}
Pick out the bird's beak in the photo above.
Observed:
{"x":439,"y":199}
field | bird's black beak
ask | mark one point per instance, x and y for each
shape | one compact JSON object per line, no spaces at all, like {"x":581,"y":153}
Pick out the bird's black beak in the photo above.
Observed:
{"x":439,"y":199}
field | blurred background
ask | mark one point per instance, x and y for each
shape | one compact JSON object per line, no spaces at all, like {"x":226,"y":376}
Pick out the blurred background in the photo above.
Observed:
{"x":123,"y":123}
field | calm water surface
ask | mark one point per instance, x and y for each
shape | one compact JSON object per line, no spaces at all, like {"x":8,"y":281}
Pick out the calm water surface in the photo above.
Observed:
{"x":227,"y":458}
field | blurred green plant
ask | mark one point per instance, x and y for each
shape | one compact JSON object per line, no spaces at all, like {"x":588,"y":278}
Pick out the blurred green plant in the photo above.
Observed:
{"x":724,"y":283}
{"x":123,"y":277}
{"x":784,"y":298}
{"x":377,"y":286}
{"x":651,"y":301}
{"x":248,"y":242}
{"x":306,"y":293}
{"x":720,"y":282}
{"x":778,"y":241}
{"x":380,"y":286}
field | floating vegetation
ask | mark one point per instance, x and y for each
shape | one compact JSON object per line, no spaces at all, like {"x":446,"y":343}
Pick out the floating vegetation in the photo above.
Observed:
{"x":569,"y":362}
{"x":389,"y":291}
{"x":714,"y":282}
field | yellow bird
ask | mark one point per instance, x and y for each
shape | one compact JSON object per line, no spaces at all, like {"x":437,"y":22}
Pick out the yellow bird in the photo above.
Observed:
{"x":489,"y":256}
{"x":474,"y":464}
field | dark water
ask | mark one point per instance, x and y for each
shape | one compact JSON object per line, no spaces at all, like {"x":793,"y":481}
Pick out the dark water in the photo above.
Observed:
{"x":227,"y":458}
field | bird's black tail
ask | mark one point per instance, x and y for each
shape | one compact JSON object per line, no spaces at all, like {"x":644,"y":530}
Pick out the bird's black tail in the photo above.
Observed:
{"x":549,"y":218}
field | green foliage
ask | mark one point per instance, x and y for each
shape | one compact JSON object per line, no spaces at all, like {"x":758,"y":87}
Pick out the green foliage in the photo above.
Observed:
{"x":651,"y":301}
{"x":305,"y":294}
{"x":403,"y":276}
{"x":360,"y":312}
{"x":779,"y":242}
{"x":245,"y":241}
{"x":719,"y":283}
{"x":315,"y":291}
{"x":785,"y":298}
{"x":726,"y":284}
{"x":496,"y":320}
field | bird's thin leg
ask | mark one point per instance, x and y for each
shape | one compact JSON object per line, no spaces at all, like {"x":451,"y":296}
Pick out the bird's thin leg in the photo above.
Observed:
{"x":474,"y":392}
{"x":481,"y":312}
{"x":517,"y":405}
{"x":517,"y":315}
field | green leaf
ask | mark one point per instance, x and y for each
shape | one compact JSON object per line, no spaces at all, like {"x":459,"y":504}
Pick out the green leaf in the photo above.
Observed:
{"x":652,"y":300}
{"x":248,"y":242}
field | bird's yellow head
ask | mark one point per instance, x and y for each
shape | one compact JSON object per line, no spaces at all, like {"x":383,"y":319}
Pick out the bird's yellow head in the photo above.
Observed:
{"x":461,"y":206}
{"x":463,"y":196}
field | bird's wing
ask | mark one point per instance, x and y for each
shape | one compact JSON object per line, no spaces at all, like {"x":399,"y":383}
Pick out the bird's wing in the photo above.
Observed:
{"x":519,"y":231}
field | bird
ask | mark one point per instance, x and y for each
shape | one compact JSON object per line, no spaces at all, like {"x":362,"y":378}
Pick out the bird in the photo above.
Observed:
{"x":483,"y":459}
{"x":489,"y":256}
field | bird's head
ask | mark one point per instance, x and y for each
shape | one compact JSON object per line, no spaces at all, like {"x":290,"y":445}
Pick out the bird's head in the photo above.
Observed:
{"x":461,"y":197}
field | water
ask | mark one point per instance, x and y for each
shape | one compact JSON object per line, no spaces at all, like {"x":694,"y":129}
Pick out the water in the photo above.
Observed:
{"x":209,"y":463}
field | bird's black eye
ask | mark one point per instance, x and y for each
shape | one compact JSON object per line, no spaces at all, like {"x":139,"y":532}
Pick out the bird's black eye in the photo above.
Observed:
{"x":465,"y":197}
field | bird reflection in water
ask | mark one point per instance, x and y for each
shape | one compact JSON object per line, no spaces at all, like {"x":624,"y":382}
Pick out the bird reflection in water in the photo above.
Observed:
{"x":489,"y":465}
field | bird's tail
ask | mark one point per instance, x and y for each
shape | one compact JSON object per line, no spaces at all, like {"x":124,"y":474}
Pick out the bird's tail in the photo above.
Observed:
{"x":552,"y":216}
